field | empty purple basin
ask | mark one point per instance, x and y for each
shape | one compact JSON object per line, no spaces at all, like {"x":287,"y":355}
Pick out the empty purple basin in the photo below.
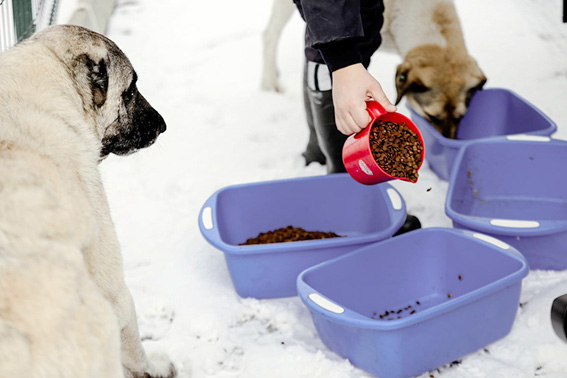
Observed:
{"x":514,"y":189}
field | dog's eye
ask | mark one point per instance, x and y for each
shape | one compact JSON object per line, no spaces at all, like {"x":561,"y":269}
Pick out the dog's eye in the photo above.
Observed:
{"x":436,"y":120}
{"x":418,"y":88}
{"x":128,"y":95}
{"x":433,"y":119}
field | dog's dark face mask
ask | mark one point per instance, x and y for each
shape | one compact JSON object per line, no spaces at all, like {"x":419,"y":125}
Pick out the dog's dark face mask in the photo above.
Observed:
{"x":137,"y":124}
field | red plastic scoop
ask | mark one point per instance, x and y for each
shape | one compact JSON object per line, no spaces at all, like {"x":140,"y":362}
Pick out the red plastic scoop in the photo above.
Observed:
{"x":357,"y":154}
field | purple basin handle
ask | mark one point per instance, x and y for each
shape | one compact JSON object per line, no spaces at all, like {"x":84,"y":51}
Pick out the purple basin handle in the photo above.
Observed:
{"x":507,"y":249}
{"x":330,"y":308}
{"x":513,"y":223}
{"x":326,"y":304}
{"x":208,"y":222}
{"x":527,"y":137}
{"x":395,"y":199}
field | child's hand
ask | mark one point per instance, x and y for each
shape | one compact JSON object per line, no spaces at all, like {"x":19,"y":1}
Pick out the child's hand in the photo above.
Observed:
{"x":352,"y":87}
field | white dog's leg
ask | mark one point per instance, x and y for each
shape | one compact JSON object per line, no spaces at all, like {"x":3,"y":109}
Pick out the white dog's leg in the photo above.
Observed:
{"x":282,"y":11}
{"x":134,"y":357}
{"x":106,"y":257}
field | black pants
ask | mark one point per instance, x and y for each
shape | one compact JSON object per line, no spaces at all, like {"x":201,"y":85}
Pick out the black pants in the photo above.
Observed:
{"x":326,"y":142}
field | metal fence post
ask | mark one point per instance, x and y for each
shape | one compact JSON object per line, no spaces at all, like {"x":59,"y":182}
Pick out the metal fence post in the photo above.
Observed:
{"x":21,"y":18}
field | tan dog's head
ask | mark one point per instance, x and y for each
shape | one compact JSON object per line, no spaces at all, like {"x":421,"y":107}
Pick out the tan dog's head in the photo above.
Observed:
{"x":438,"y":83}
{"x":105,"y":82}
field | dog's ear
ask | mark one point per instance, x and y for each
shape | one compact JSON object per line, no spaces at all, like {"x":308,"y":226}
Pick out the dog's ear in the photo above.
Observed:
{"x":471,"y":91}
{"x":402,"y":81}
{"x":98,"y":77}
{"x":482,"y":82}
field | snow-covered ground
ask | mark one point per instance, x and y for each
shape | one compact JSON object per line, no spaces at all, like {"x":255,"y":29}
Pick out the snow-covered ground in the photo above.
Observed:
{"x":199,"y":65}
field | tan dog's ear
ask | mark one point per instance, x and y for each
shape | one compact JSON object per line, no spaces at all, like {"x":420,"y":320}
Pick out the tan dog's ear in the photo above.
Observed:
{"x":471,"y":91}
{"x":99,"y":80}
{"x":98,"y":77}
{"x":482,"y":82}
{"x":402,"y":81}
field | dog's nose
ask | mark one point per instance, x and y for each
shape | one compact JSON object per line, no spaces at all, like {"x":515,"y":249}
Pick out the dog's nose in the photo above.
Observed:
{"x":159,"y":122}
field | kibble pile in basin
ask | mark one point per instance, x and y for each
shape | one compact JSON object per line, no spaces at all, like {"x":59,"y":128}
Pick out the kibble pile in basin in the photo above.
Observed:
{"x":288,"y":234}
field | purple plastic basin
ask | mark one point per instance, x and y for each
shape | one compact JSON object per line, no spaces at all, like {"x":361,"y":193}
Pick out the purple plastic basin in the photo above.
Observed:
{"x":333,"y":203}
{"x":492,"y":112}
{"x":409,"y":304}
{"x":514,"y":189}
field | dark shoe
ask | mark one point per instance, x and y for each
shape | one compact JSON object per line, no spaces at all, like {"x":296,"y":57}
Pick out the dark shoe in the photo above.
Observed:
{"x":311,"y":156}
{"x":559,"y":317}
{"x":411,"y":223}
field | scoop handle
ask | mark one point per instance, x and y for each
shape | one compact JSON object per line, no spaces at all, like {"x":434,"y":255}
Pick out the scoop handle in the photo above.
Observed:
{"x":374,"y":109}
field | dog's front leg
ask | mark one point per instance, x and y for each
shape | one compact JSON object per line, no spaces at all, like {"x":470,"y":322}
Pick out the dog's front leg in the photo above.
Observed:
{"x":105,"y":265}
{"x":134,"y":359}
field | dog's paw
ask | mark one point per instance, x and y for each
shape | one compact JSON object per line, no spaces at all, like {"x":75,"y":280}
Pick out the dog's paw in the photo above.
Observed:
{"x":270,"y":82}
{"x":161,"y":367}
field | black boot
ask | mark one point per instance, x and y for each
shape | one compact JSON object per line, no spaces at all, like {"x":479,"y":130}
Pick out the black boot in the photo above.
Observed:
{"x":325,"y":139}
{"x":312,"y":151}
{"x":411,"y":223}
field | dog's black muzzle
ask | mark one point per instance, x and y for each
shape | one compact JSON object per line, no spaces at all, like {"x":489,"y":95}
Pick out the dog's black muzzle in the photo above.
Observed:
{"x":147,"y":121}
{"x":139,"y":131}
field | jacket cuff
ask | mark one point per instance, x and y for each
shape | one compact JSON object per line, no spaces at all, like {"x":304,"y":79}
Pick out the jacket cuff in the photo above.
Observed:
{"x":340,"y":54}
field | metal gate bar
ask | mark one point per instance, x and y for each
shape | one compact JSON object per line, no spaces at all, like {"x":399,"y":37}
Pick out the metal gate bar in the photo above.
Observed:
{"x":21,"y":18}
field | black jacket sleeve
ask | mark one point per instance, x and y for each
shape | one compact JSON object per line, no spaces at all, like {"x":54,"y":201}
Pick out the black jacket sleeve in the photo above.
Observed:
{"x":340,"y":54}
{"x":331,"y":20}
{"x":339,"y":29}
{"x":333,"y":26}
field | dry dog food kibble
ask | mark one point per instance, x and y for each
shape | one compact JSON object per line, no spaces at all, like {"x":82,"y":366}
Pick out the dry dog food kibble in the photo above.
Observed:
{"x":396,"y":149}
{"x":388,"y":315}
{"x":288,"y":234}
